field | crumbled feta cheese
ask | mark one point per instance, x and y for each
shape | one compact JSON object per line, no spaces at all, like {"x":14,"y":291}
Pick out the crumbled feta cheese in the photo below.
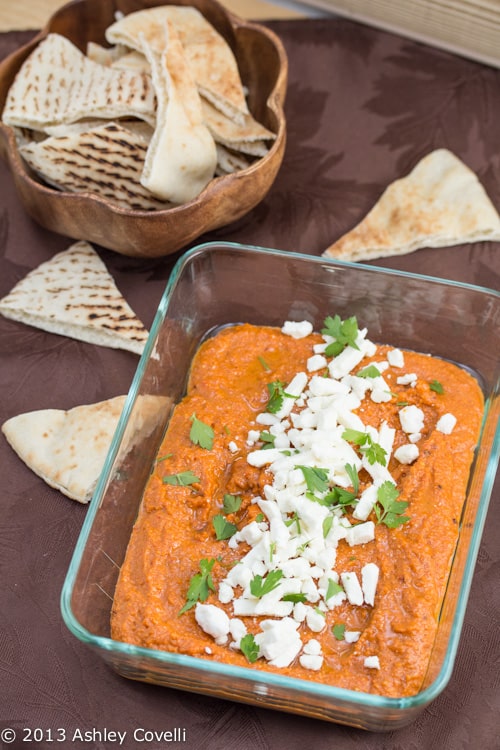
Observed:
{"x":361,"y":533}
{"x":408,"y":379}
{"x":316,"y":362}
{"x":351,"y":636}
{"x":372,"y":662}
{"x":315,"y":620}
{"x":311,"y":661}
{"x":313,"y":646}
{"x":411,"y":418}
{"x":407,"y":453}
{"x":232,"y":446}
{"x":395,"y":358}
{"x":213,"y":620}
{"x":352,"y":588}
{"x":297,"y":329}
{"x":369,"y":581}
{"x":446,"y":423}
{"x":279,"y":641}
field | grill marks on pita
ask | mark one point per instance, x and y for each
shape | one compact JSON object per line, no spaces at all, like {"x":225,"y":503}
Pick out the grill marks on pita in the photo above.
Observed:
{"x":78,"y":116}
{"x":59,"y":84}
{"x":107,"y":160}
{"x":73,"y":294}
{"x":439,"y":203}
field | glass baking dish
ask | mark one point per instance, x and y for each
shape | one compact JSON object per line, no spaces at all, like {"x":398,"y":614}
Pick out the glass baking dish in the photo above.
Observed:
{"x":217,"y":284}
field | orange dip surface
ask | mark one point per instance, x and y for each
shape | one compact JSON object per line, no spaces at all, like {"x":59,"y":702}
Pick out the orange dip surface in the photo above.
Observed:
{"x":174,"y":531}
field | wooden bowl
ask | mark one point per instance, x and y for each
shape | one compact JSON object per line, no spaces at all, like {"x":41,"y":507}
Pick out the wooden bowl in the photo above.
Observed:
{"x":263,"y":68}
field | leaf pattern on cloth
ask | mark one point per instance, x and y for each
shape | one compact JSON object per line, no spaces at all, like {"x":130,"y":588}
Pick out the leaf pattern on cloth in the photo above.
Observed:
{"x":363,"y":106}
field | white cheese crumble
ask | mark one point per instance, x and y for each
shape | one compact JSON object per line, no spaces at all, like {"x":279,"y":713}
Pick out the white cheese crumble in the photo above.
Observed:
{"x":372,"y":662}
{"x":411,"y":418}
{"x":446,"y":424}
{"x":407,"y":453}
{"x":395,"y":357}
{"x":297,"y":330}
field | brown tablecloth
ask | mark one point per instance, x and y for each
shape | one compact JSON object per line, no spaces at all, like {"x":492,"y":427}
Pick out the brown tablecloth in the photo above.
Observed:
{"x":363,"y":106}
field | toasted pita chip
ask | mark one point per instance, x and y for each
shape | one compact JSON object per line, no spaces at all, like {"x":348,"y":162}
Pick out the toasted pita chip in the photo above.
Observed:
{"x":106,"y":160}
{"x":105,"y":55}
{"x":181,"y":157}
{"x":439,"y":203}
{"x":66,"y":449}
{"x":229,"y":162}
{"x":58,"y":84}
{"x":233,"y":135}
{"x":210,"y":58}
{"x":73,"y":294}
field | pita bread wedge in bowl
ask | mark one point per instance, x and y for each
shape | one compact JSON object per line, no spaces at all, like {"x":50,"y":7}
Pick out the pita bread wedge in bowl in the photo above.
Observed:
{"x":164,"y":112}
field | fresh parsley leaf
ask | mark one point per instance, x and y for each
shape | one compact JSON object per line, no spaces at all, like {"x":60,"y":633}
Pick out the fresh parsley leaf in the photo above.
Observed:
{"x":200,"y":585}
{"x":182,"y":479}
{"x":333,"y":589}
{"x":223,"y":528}
{"x":201,"y":433}
{"x":294,"y":519}
{"x":338,"y":631}
{"x":316,"y":478}
{"x":372,"y":450}
{"x":327,"y":525}
{"x":231,"y":504}
{"x":344,"y":332}
{"x":260,"y":517}
{"x":260,"y":586}
{"x":249,"y":648}
{"x":388,"y":508}
{"x":352,"y":473}
{"x":436,"y":386}
{"x":267,"y":439}
{"x":264,"y":364}
{"x":368,"y":372}
{"x":295,"y":598}
{"x":376,"y":454}
{"x":340,"y":496}
{"x":276,"y":396}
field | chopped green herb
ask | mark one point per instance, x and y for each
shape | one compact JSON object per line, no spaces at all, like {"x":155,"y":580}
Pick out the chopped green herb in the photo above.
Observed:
{"x":436,"y":386}
{"x":344,"y":332}
{"x":231,"y":504}
{"x":319,"y":611}
{"x":316,"y":478}
{"x":164,"y":458}
{"x":338,"y":631}
{"x":295,"y":598}
{"x":223,"y":529}
{"x":267,"y":439}
{"x":201,"y":433}
{"x":260,"y":517}
{"x":352,"y":473}
{"x":369,"y":372}
{"x":182,"y":479}
{"x":372,"y":450}
{"x":200,"y":585}
{"x":264,"y":364}
{"x":260,"y":586}
{"x":388,"y":508}
{"x":333,"y":589}
{"x":276,"y":396}
{"x":294,"y":519}
{"x":327,"y":525}
{"x":249,"y":648}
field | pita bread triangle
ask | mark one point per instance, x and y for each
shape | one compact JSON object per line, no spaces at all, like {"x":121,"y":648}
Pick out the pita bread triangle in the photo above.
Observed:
{"x":439,"y":203}
{"x":57,"y":84}
{"x":74,"y":295}
{"x":66,"y":449}
{"x":212,"y":62}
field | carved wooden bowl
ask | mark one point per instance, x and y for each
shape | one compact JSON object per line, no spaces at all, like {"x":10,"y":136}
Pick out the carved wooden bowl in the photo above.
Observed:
{"x":263,"y":68}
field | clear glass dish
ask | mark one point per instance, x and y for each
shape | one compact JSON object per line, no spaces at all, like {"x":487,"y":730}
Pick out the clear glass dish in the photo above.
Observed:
{"x":217,"y":284}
